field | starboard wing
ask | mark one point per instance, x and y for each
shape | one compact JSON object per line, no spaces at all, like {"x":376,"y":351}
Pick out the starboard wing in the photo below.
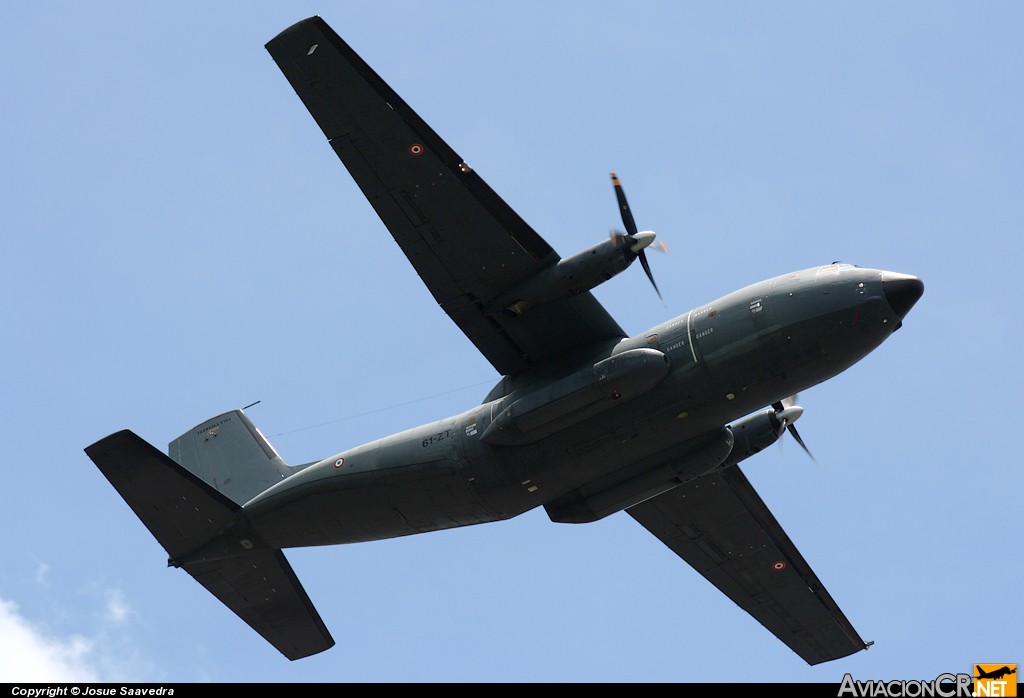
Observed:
{"x":466,"y":243}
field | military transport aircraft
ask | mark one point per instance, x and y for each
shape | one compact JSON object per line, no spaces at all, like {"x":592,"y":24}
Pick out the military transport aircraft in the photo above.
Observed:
{"x":586,"y":421}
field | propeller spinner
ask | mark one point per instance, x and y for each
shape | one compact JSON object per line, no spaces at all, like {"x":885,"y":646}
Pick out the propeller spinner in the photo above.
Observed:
{"x":787,"y":412}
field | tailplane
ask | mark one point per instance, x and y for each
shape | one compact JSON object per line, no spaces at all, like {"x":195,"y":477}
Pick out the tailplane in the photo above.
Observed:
{"x":190,"y":518}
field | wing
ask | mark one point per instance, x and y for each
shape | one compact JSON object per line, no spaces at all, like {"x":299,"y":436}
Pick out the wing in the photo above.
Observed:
{"x":465,"y":242}
{"x":721,"y":526}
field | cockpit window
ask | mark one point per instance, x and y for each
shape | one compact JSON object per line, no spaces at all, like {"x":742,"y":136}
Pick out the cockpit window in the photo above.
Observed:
{"x":835,"y":268}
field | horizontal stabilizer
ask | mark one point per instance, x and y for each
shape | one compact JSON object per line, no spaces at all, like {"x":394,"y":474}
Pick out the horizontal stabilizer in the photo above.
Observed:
{"x":263,"y":590}
{"x":180,"y":510}
{"x":185,"y":514}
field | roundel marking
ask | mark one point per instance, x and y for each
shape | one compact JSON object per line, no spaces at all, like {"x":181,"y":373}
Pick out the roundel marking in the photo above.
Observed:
{"x":416,"y":149}
{"x":778,"y":566}
{"x":340,"y":462}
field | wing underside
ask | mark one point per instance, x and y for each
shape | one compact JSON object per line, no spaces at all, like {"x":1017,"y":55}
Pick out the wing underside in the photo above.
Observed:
{"x":721,"y":527}
{"x":466,"y":243}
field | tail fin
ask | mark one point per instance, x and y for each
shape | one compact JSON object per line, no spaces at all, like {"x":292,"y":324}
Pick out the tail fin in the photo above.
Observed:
{"x":185,"y":514}
{"x":229,"y":453}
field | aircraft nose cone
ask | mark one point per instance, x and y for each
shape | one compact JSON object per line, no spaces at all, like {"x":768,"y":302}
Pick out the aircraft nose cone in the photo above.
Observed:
{"x":901,"y":291}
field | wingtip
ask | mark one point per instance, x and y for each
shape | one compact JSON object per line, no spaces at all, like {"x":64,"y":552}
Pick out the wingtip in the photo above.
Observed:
{"x":298,"y":26}
{"x":117,"y":436}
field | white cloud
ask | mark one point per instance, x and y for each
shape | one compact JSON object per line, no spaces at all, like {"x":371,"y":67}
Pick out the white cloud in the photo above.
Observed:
{"x":28,"y":654}
{"x":106,"y":651}
{"x":118,"y":609}
{"x":42,"y":574}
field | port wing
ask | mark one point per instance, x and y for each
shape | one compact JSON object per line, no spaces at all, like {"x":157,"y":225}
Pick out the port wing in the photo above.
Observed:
{"x":723,"y":528}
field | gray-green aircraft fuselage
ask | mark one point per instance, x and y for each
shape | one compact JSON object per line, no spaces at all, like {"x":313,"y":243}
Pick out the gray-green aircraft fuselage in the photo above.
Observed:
{"x":586,"y":422}
{"x":694,"y":374}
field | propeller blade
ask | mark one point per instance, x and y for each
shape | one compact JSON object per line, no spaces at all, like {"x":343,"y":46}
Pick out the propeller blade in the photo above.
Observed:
{"x":627,"y":215}
{"x":636,"y":240}
{"x":796,"y":435}
{"x":788,"y":412}
{"x":647,"y":268}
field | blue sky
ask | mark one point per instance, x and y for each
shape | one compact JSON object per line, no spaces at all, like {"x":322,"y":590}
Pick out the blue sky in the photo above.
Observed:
{"x":178,"y":240}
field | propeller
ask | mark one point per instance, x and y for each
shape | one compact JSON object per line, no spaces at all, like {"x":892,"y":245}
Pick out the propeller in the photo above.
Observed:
{"x":787,"y":412}
{"x":637,"y":241}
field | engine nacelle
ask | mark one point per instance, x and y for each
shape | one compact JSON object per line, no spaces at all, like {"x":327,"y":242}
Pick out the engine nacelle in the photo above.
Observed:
{"x":569,"y":277}
{"x":720,"y":448}
{"x":753,"y":434}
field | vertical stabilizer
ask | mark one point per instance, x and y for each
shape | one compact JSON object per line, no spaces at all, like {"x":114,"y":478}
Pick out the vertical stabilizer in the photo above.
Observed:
{"x":229,"y":453}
